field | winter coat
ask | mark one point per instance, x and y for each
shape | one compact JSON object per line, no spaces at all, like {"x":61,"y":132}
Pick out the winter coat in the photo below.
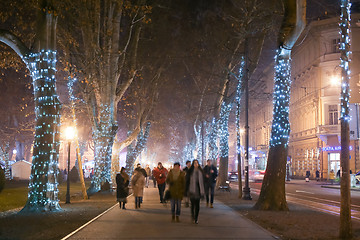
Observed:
{"x":142,"y":171}
{"x":122,"y":185}
{"x":138,"y":184}
{"x":332,"y":175}
{"x":195,"y":184}
{"x":210,"y":178}
{"x":160,"y":175}
{"x":176,"y":186}
{"x":148,"y":171}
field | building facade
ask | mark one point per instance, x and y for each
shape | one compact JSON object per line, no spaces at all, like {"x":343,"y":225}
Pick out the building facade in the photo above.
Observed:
{"x":314,"y":142}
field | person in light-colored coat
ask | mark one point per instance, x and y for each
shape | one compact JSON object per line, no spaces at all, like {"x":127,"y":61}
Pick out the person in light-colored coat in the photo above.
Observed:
{"x":138,"y":184}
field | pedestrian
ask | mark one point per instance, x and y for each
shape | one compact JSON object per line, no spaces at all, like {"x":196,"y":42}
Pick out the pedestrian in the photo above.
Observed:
{"x":148,"y":175}
{"x":186,"y":169}
{"x":195,"y":189}
{"x":138,"y":184}
{"x":210,"y":173}
{"x":307,"y":177}
{"x":138,"y":167}
{"x":338,"y":174}
{"x":153,"y":177}
{"x":122,"y":187}
{"x":332,"y":176}
{"x":176,"y":181}
{"x":160,"y":174}
{"x":317,"y":175}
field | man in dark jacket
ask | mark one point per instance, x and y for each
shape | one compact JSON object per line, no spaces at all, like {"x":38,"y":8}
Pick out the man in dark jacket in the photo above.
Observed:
{"x":210,"y":174}
{"x":139,"y":168}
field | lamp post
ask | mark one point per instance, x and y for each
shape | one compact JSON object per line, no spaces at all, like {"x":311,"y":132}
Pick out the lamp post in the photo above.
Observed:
{"x":69,"y":135}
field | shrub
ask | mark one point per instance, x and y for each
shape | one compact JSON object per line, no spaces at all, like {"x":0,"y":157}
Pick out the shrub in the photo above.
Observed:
{"x":74,"y":175}
{"x":2,"y":179}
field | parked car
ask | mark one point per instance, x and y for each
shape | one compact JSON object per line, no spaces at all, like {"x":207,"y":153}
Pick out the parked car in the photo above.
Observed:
{"x":233,"y":176}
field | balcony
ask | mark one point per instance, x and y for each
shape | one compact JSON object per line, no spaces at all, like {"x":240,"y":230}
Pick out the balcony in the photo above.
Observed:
{"x":328,"y":130}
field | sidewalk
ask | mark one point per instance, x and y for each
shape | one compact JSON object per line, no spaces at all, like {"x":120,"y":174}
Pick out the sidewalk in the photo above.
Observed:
{"x":153,"y":221}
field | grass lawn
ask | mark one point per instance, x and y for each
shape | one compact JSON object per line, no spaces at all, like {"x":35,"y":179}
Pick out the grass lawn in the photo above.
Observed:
{"x":14,"y":195}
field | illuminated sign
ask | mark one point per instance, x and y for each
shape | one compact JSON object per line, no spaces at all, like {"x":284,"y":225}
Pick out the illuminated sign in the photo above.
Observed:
{"x":336,"y":148}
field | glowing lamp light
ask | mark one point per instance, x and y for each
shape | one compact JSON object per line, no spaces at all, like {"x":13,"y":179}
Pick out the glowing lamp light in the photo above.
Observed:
{"x":70,"y":133}
{"x":335,"y":81}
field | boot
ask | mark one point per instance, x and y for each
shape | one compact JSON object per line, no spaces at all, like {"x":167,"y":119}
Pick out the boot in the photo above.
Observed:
{"x":177,"y":219}
{"x":120,"y":204}
{"x":211,"y":205}
{"x":173,"y":218}
{"x":123,"y":207}
{"x":139,"y":204}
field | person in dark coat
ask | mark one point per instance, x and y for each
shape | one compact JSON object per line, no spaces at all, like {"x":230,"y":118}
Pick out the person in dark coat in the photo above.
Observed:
{"x":185,"y":170}
{"x":210,"y":174}
{"x":176,"y":181}
{"x":122,"y":187}
{"x":195,"y":188}
{"x":143,"y":171}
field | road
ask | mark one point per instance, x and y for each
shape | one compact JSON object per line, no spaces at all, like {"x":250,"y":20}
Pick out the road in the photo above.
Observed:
{"x":316,"y":195}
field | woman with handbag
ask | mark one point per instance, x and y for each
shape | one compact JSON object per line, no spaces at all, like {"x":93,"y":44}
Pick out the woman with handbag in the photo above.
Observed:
{"x":122,"y":187}
{"x":176,"y":181}
{"x":195,"y":188}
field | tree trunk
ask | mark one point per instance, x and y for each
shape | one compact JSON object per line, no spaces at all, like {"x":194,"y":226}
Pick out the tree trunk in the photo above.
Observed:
{"x":134,"y":152}
{"x":345,"y":209}
{"x":224,"y":143}
{"x":272,"y":195}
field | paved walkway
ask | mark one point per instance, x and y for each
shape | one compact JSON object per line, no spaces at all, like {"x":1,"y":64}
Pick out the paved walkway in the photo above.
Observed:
{"x":153,"y":221}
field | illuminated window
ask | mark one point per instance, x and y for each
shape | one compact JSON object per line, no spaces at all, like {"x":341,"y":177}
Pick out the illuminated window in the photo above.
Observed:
{"x":335,"y":45}
{"x":333,"y":115}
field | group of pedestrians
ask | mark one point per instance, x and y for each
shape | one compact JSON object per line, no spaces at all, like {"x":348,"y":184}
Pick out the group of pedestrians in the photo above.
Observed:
{"x":192,"y":183}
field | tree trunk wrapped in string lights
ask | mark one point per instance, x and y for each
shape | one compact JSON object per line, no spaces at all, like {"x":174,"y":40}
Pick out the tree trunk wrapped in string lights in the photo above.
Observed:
{"x":272,"y":195}
{"x":345,"y":210}
{"x":135,"y":151}
{"x":41,"y":63}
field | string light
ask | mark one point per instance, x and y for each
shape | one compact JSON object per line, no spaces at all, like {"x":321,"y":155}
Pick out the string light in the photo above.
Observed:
{"x":134,"y":152}
{"x":224,"y":129}
{"x":280,"y":125}
{"x":103,"y":136}
{"x":238,"y":100}
{"x":211,"y":132}
{"x":345,"y":58}
{"x":43,"y":186}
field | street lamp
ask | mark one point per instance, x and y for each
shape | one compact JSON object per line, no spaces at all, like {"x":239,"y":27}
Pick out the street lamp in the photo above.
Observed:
{"x":69,"y":135}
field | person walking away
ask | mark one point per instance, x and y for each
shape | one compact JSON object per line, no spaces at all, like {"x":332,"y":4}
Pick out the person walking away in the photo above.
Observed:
{"x":153,"y":177}
{"x":160,"y":174}
{"x":138,"y":184}
{"x":210,"y":173}
{"x":317,"y":175}
{"x":307,"y":177}
{"x":122,"y":187}
{"x":186,"y":169}
{"x":148,"y":174}
{"x":176,"y":181}
{"x":332,"y":176}
{"x":195,"y":188}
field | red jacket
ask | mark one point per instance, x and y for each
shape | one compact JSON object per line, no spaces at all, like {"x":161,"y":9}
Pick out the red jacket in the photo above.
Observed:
{"x":160,"y":175}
